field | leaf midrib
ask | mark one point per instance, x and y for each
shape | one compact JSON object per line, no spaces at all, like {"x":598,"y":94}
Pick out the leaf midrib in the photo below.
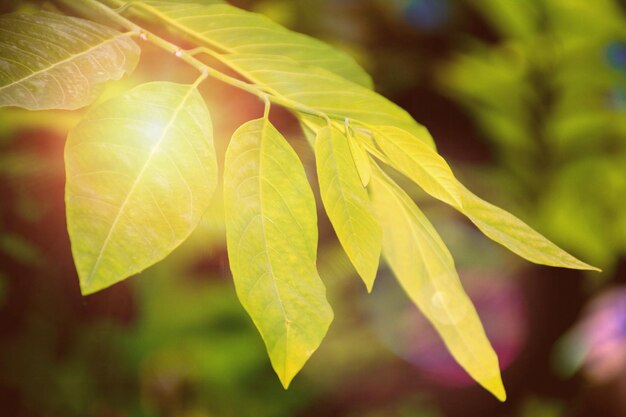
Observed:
{"x":286,"y":320}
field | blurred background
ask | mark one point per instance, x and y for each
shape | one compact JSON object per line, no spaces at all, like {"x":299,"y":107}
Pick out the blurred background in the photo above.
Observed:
{"x":527,"y":101}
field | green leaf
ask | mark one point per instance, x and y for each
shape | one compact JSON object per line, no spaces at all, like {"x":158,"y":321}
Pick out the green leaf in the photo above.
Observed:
{"x":271,"y":230}
{"x":323,"y":91}
{"x":429,"y":170}
{"x":235,"y":31}
{"x":301,"y":75}
{"x":141,"y":170}
{"x":419,"y":162}
{"x":50,"y":61}
{"x":424,"y":267}
{"x":347,"y":203}
{"x":516,"y":235}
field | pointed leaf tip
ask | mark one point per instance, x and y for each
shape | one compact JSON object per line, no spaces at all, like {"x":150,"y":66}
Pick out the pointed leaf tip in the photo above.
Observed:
{"x":496,"y":387}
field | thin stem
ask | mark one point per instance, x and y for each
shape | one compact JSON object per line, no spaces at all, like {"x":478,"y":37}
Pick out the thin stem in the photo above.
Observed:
{"x":268,"y":105}
{"x":201,"y":78}
{"x":254,"y":89}
{"x":188,"y":56}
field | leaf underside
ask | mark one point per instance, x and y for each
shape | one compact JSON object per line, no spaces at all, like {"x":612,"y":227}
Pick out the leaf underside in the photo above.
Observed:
{"x":141,"y":170}
{"x":50,"y":61}
{"x":292,"y":66}
{"x":234,"y":31}
{"x":347,"y":203}
{"x":424,"y":267}
{"x":430,"y":171}
{"x":271,"y":229}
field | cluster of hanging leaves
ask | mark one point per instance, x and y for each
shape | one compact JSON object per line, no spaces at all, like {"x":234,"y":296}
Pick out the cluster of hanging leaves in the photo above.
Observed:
{"x":141,"y":171}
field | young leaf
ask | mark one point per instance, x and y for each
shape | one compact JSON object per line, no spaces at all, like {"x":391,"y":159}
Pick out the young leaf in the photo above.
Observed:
{"x":361,"y":161}
{"x":347,"y":203}
{"x":271,"y":230}
{"x":235,"y":31}
{"x":141,"y":170}
{"x":50,"y":61}
{"x":424,"y":267}
{"x":423,"y":165}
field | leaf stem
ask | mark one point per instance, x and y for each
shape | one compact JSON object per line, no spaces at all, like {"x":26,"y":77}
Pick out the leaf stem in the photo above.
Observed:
{"x":268,"y":104}
{"x":254,"y":89}
{"x":188,"y":56}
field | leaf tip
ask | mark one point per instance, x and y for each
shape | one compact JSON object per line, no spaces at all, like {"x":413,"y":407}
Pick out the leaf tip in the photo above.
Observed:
{"x":580,"y":265}
{"x":368,"y":277}
{"x":496,"y":387}
{"x":286,"y":376}
{"x":501,"y":396}
{"x":285,"y":381}
{"x":87,"y":289}
{"x":592,"y":268}
{"x":89,"y":281}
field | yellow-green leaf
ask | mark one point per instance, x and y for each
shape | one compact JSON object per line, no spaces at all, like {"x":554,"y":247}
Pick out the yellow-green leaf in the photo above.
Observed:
{"x":419,"y":162}
{"x":323,"y":91}
{"x":427,"y":168}
{"x":347,"y":203}
{"x":511,"y":232}
{"x":50,"y":61}
{"x":424,"y":267}
{"x":271,"y":230}
{"x":299,"y":73}
{"x":141,"y":170}
{"x":361,"y":160}
{"x":235,"y":31}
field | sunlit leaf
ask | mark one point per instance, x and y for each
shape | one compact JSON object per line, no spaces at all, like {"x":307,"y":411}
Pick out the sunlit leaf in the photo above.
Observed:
{"x":301,"y":74}
{"x":323,"y":91}
{"x":424,"y":267}
{"x":516,"y":235}
{"x":237,"y":31}
{"x":419,"y":162}
{"x":347,"y":203}
{"x":429,"y":170}
{"x":271,"y":230}
{"x":141,"y":171}
{"x":50,"y":61}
